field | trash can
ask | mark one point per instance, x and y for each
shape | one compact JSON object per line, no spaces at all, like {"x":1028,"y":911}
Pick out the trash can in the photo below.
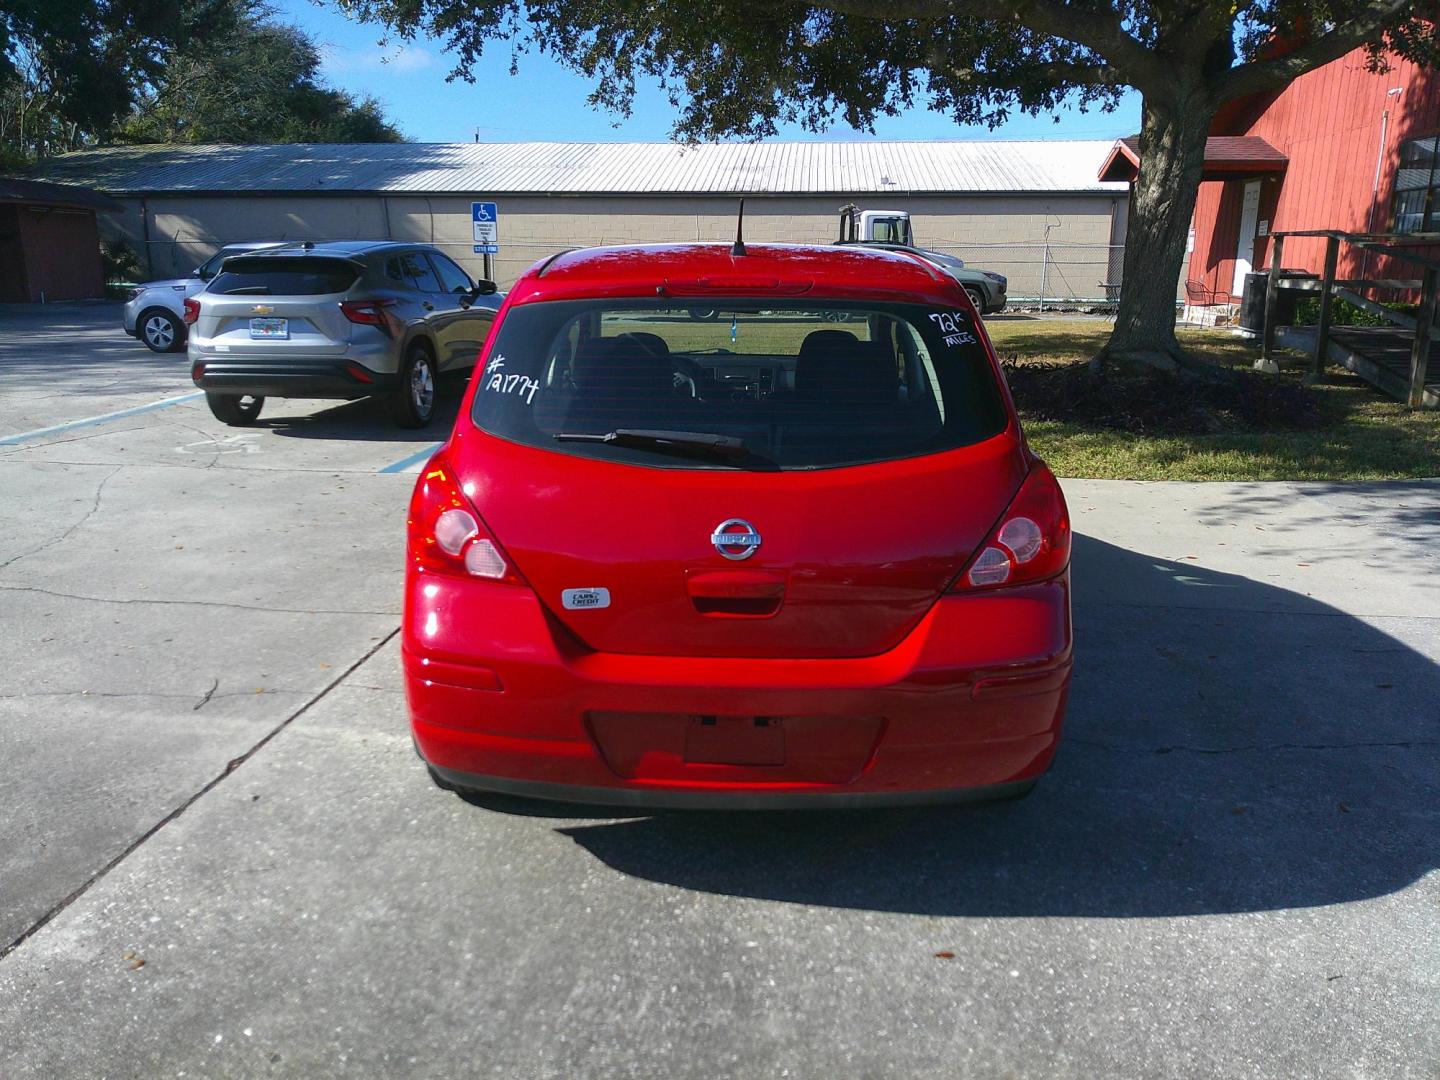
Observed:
{"x":1252,"y":300}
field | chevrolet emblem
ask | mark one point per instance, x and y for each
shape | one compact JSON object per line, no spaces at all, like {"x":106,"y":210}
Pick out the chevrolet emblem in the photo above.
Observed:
{"x":262,"y":309}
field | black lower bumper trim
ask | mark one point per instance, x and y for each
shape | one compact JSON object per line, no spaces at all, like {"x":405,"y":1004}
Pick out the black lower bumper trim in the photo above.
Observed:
{"x":311,"y":379}
{"x":670,"y":799}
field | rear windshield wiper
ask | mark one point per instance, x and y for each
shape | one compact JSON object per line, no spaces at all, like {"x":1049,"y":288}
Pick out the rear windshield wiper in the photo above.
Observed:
{"x":720,"y":445}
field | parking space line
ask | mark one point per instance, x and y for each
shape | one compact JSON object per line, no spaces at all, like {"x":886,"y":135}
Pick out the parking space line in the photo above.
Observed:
{"x":411,"y":461}
{"x":103,"y":418}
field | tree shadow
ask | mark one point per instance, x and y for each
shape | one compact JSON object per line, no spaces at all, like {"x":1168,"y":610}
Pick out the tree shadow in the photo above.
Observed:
{"x":368,"y":419}
{"x":82,"y":349}
{"x":1315,"y":522}
{"x":1257,"y":751}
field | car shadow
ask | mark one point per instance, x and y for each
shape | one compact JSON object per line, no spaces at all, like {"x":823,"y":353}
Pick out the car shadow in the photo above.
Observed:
{"x":1230,"y":746}
{"x":368,"y":419}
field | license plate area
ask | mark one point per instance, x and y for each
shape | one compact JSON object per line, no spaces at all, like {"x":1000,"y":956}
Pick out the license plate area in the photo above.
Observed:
{"x":735,"y":740}
{"x":746,"y":751}
{"x":270,"y":328}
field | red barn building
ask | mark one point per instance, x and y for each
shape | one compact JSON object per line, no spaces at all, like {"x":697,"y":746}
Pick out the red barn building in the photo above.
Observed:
{"x":1341,"y":147}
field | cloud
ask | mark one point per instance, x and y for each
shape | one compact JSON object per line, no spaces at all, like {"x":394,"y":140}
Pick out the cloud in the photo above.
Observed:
{"x":399,"y":59}
{"x":409,"y":59}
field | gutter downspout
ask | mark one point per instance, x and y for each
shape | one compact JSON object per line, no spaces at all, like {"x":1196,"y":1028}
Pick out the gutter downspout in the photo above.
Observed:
{"x":1379,"y":166}
{"x":145,"y":237}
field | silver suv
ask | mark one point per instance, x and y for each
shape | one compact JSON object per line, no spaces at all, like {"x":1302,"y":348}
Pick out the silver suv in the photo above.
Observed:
{"x":347,"y":319}
{"x":155,"y":311}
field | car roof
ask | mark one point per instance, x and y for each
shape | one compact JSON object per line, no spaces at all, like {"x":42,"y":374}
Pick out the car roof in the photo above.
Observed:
{"x":254,"y":245}
{"x":888,"y":245}
{"x":341,"y":248}
{"x":695,"y":271}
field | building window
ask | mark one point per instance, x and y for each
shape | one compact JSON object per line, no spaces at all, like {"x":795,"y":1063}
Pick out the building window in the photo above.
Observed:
{"x":1417,"y":208}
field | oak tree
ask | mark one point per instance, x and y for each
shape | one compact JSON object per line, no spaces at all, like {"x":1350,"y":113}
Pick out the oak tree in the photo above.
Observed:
{"x":742,"y":67}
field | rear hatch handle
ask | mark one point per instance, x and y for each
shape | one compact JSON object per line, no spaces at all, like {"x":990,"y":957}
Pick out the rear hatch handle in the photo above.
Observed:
{"x":736,"y":593}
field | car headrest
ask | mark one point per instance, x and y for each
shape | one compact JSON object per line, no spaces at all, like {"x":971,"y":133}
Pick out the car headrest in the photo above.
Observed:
{"x":617,"y":366}
{"x":840,"y":366}
{"x":653,"y":342}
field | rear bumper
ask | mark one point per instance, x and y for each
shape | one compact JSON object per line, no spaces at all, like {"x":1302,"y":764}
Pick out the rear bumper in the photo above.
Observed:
{"x":674,"y":799}
{"x":309,"y":378}
{"x":970,"y":705}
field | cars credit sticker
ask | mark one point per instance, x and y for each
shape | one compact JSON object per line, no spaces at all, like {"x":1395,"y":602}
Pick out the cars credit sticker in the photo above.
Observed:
{"x":583,"y":599}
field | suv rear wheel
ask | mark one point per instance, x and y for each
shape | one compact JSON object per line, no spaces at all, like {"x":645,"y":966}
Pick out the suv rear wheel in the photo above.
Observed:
{"x":237,"y":410}
{"x":161,"y":331}
{"x":413,"y":403}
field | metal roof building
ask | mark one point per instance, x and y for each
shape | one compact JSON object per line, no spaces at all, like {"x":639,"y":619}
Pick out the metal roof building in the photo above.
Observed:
{"x":1026,"y":209}
{"x":782,"y":168}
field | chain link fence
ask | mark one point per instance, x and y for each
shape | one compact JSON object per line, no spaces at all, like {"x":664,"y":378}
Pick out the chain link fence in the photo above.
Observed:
{"x":1039,"y":274}
{"x":1065,"y":275}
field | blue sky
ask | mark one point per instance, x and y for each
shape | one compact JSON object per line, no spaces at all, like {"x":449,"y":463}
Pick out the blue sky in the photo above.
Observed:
{"x":546,"y":102}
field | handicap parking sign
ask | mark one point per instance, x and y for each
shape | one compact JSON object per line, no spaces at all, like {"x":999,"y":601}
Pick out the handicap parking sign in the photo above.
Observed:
{"x":485,"y":220}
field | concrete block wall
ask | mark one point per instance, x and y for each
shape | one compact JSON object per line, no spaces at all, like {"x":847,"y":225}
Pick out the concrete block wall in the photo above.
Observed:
{"x":1005,"y":233}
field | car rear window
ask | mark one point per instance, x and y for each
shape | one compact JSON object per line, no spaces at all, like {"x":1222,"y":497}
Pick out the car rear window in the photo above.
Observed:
{"x":799,"y":387}
{"x":293,"y":276}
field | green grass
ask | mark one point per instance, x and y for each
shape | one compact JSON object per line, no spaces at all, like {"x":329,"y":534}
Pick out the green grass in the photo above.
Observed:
{"x":1365,"y":435}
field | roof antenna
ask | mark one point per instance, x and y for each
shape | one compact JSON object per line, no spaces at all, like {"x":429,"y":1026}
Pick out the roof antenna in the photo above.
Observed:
{"x":739,"y":247}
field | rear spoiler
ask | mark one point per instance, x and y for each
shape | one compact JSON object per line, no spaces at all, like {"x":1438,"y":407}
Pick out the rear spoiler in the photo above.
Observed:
{"x":292,"y":253}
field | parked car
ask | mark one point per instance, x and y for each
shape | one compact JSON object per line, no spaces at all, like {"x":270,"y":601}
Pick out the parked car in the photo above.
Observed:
{"x":343,"y":320}
{"x":763,"y":560}
{"x":986,"y":289}
{"x":893,"y":230}
{"x":155,"y":312}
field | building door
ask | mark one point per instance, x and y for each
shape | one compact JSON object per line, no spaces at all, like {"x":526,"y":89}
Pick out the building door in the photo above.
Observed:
{"x":1245,"y":246}
{"x":14,"y":288}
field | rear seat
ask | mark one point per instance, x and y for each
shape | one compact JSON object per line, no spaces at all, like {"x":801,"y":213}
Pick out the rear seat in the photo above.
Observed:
{"x":838,"y":368}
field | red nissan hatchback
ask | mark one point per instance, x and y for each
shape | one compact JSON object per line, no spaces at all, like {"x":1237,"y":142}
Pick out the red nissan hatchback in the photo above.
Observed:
{"x":791,"y":550}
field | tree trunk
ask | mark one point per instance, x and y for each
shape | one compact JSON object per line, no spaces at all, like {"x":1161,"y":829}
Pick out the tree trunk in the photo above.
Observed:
{"x":1162,"y":204}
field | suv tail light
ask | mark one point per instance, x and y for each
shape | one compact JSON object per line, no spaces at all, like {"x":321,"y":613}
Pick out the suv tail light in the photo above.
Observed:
{"x":447,"y":535}
{"x":369,"y":313}
{"x":1031,"y":541}
{"x":192,"y":311}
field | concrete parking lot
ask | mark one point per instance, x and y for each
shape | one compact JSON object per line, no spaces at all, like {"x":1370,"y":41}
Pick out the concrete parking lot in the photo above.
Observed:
{"x":220,"y":857}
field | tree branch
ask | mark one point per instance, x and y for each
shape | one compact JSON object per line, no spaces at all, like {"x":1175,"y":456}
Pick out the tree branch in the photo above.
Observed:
{"x":1096,"y":28}
{"x":1058,"y":73}
{"x":1260,"y":75}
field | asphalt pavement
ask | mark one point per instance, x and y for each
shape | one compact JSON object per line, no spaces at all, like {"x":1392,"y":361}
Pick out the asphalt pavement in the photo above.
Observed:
{"x":220,"y":857}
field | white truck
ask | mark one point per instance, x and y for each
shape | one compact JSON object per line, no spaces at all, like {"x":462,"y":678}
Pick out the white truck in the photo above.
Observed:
{"x":875,"y":226}
{"x":892,"y":229}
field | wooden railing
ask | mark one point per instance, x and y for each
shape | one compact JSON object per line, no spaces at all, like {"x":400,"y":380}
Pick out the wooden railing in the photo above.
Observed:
{"x":1330,"y":287}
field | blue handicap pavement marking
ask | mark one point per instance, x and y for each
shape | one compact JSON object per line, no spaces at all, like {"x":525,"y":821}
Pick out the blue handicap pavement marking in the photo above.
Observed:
{"x":103,"y":418}
{"x":413,"y":460}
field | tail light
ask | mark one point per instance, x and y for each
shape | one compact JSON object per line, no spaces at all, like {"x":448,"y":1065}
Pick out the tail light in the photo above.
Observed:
{"x":369,"y":313}
{"x":1031,"y":542}
{"x":447,"y":535}
{"x":192,"y":311}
